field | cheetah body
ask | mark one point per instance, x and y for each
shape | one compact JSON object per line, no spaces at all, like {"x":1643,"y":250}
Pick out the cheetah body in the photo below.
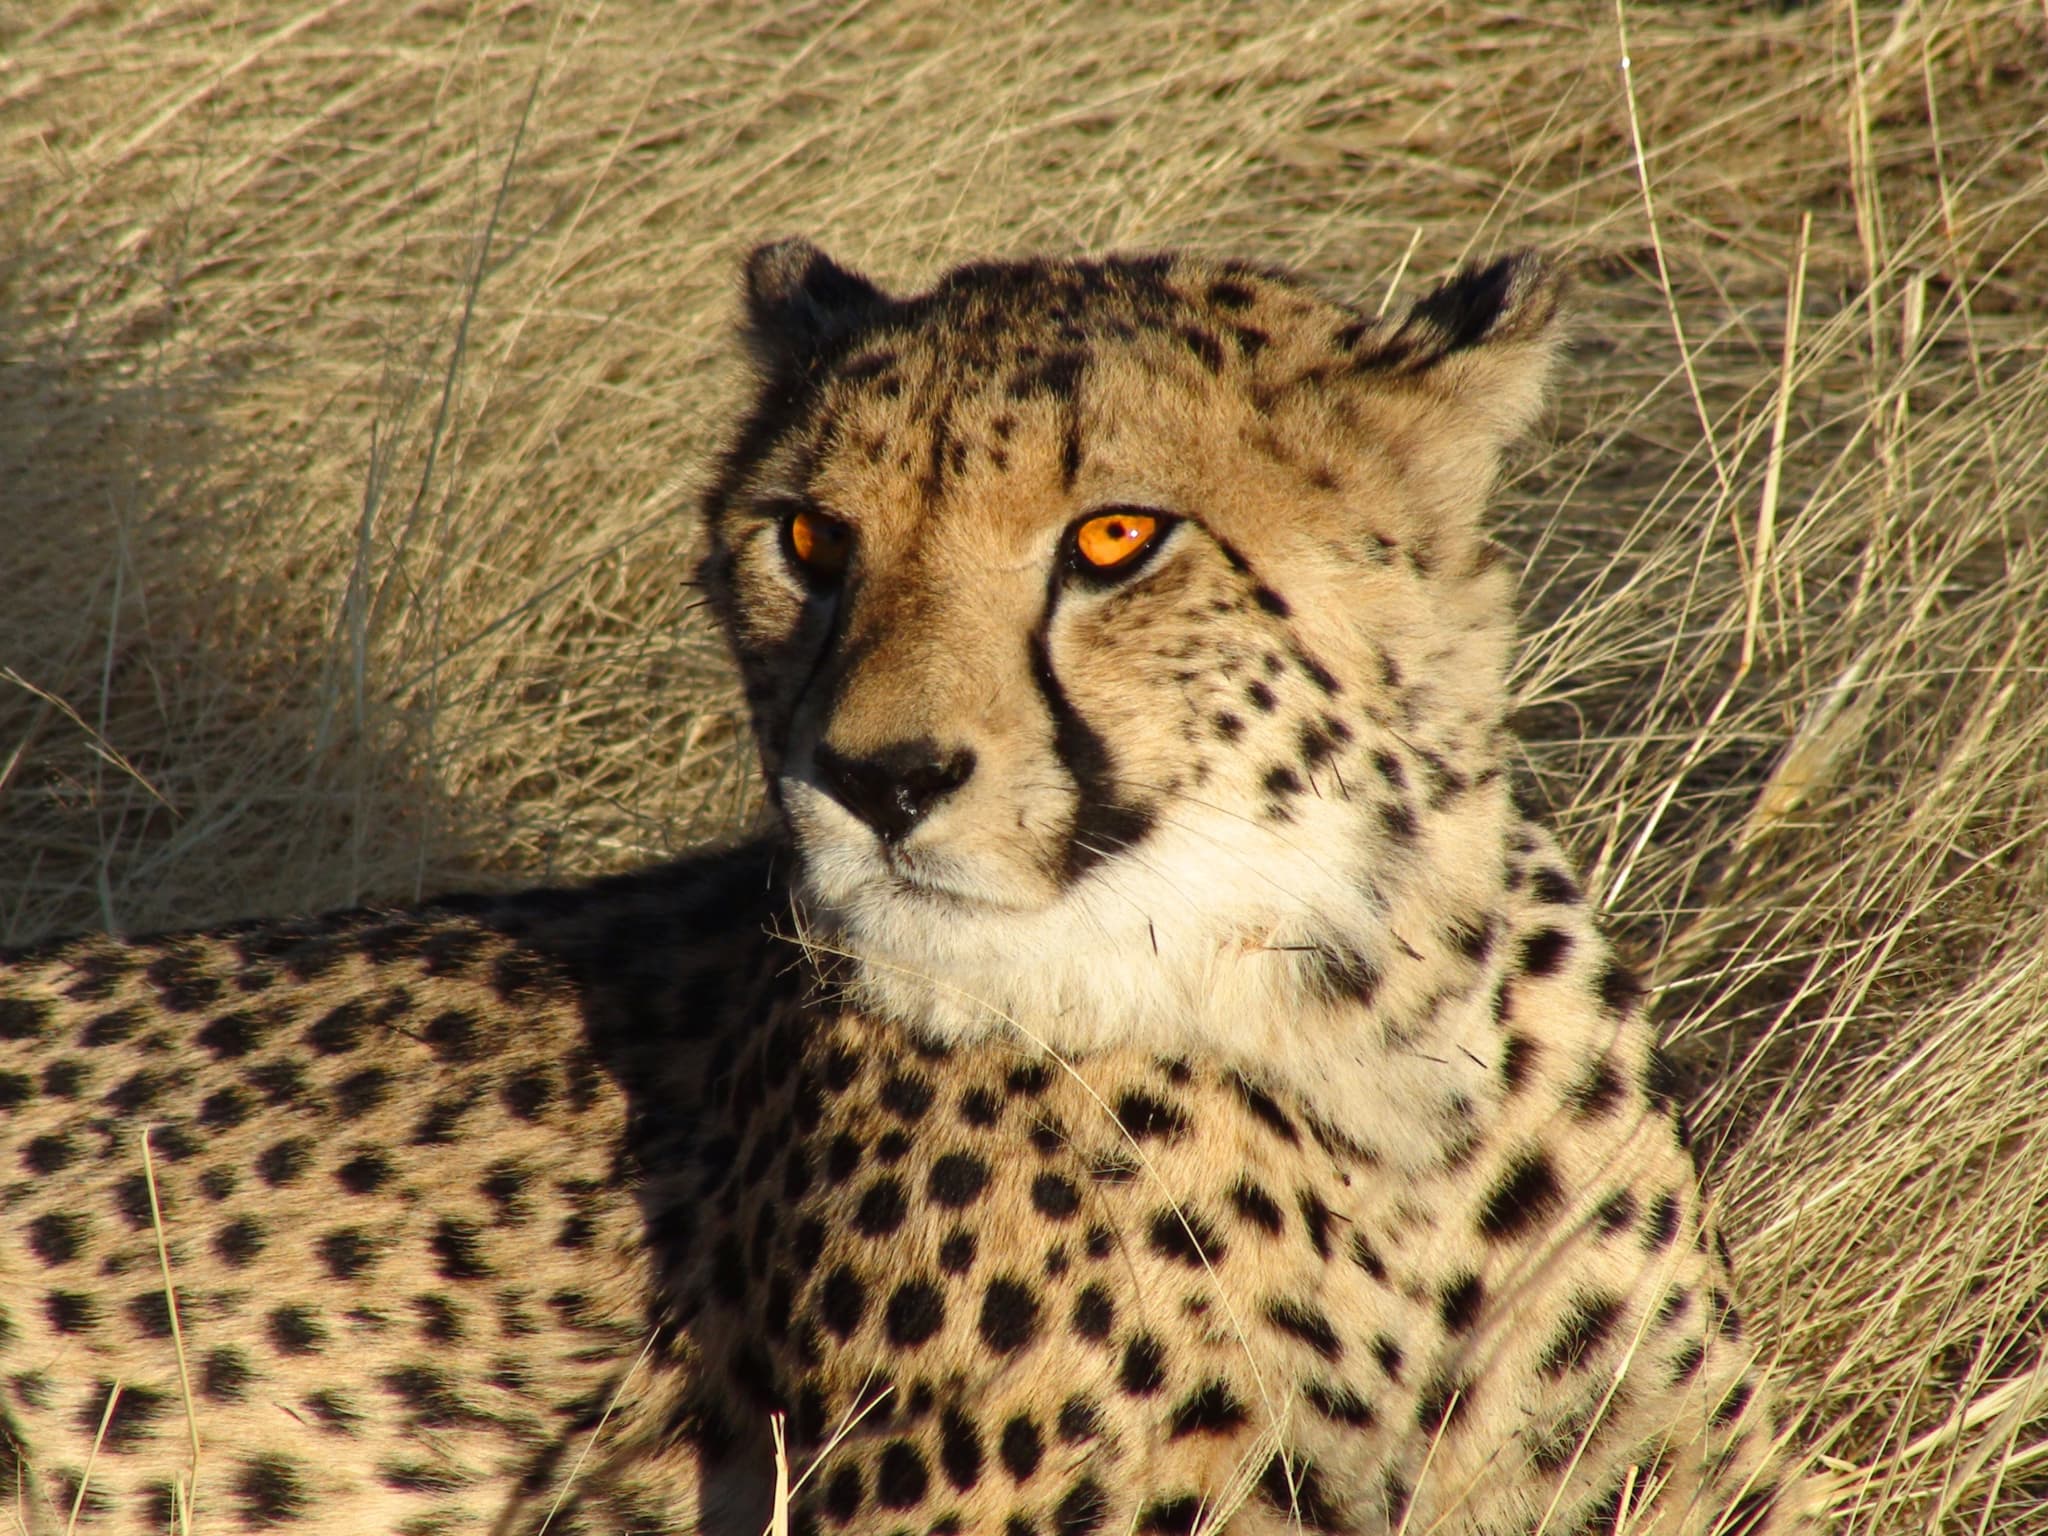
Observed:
{"x":1155,"y":1079}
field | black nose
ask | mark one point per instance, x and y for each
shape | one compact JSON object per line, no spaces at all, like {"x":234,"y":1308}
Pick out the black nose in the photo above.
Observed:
{"x":893,"y":789}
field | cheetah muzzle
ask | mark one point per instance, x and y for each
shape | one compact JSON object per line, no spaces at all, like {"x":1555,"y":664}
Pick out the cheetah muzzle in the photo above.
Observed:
{"x":1151,"y":1077}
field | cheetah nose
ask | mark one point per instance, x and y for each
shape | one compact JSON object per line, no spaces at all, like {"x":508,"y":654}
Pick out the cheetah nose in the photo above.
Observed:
{"x":892,"y":790}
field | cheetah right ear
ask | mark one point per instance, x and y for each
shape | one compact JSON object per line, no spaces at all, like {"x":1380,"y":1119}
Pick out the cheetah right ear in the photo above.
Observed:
{"x":1485,"y":339}
{"x":799,"y":301}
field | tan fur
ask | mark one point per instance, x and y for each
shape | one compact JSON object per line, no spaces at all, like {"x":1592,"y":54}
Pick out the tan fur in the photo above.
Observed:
{"x":1157,"y":1080}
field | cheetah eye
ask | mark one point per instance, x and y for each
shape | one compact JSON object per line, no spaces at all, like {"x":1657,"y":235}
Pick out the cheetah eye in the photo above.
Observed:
{"x":818,"y":544}
{"x":1115,"y":542}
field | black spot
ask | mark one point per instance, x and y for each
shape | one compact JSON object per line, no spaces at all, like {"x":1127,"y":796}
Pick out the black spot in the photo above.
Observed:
{"x":1055,"y":1197}
{"x":1334,"y":972}
{"x":1619,"y":989}
{"x":1731,"y":1406}
{"x":1029,"y":1080}
{"x":1144,"y":1367}
{"x":1321,"y":675}
{"x":1227,"y":294}
{"x":452,"y":1035}
{"x":1228,"y":726}
{"x":131,"y":1198}
{"x":1211,"y":1409}
{"x":1388,"y":1354}
{"x":916,"y":1311}
{"x":1545,"y":950}
{"x":1616,"y":1213}
{"x":1686,"y":1363}
{"x":1146,"y":1118}
{"x":129,"y":1423}
{"x":907,"y":1096}
{"x":1395,"y":1495}
{"x":844,"y":1494}
{"x":1315,"y":1216}
{"x":1295,"y":1488}
{"x":842,"y":1301}
{"x":980,"y":1108}
{"x":1660,"y":1082}
{"x":360,"y":1093}
{"x":111,"y":1027}
{"x":22,"y":1018}
{"x":1101,"y":1242}
{"x":956,"y":1253}
{"x":1473,"y":937}
{"x":1009,"y":1315}
{"x":1094,"y":1313}
{"x":240,"y":1240}
{"x":957,"y":1180}
{"x":49,"y":1154}
{"x":457,"y":1248}
{"x":295,"y":1331}
{"x":1555,"y":887}
{"x":281,"y":1163}
{"x":149,"y":1311}
{"x":1266,"y":1110}
{"x":890,"y":1150}
{"x":1261,"y":697}
{"x":1365,"y":1258}
{"x":440,"y":1321}
{"x":225,"y":1374}
{"x":1340,"y":1405}
{"x":1585,"y":1328}
{"x":1398,"y":820}
{"x":882,"y":1207}
{"x":1171,"y":1517}
{"x":1079,"y":1420}
{"x":1271,"y":601}
{"x":527,"y":1094}
{"x":1526,"y":1193}
{"x":71,"y":1311}
{"x":268,"y":1492}
{"x":346,"y":1253}
{"x":1306,"y":1323}
{"x":1662,"y":1225}
{"x":1256,"y":1206}
{"x":1459,"y":1302}
{"x":1282,"y":780}
{"x":55,"y":1237}
{"x":900,"y":1476}
{"x":182,"y":984}
{"x":1443,"y":1402}
{"x":1185,"y":1237}
{"x":1597,"y":1092}
{"x":362,"y":1175}
{"x":1021,"y":1448}
{"x":1081,"y":1511}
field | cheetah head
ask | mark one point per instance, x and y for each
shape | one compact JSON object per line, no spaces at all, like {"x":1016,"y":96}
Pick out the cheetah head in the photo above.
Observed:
{"x":1124,"y":648}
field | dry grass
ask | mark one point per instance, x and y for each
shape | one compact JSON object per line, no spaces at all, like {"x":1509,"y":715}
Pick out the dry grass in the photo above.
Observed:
{"x":356,"y":361}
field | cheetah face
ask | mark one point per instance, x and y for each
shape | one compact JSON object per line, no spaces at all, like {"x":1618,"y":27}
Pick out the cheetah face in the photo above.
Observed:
{"x":1115,"y":632}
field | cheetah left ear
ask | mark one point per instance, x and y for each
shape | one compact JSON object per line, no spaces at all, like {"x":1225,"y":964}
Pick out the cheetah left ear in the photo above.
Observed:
{"x":1485,"y":340}
{"x":799,"y":301}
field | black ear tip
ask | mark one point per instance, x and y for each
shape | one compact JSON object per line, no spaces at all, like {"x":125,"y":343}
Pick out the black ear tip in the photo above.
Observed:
{"x":796,"y":292}
{"x":775,"y":269}
{"x":1514,"y":297}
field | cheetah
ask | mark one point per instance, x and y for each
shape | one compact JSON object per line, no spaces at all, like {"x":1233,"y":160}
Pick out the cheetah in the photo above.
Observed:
{"x":1151,"y":1075}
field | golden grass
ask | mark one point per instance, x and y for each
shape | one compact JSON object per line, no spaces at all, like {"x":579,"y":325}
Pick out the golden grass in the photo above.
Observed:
{"x":356,"y":362}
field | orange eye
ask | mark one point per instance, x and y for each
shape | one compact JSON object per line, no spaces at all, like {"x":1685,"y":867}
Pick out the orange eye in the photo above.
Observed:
{"x":1113,"y":539}
{"x":820,"y":543}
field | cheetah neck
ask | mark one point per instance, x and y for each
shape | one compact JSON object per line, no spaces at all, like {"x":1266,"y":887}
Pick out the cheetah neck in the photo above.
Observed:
{"x":1361,"y":988}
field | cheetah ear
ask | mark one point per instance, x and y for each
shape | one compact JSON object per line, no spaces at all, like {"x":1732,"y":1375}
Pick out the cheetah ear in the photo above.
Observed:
{"x":1485,"y":340}
{"x":799,"y":301}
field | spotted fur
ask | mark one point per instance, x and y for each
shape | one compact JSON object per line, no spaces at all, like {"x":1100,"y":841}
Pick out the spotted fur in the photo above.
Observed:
{"x":1152,"y":1079}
